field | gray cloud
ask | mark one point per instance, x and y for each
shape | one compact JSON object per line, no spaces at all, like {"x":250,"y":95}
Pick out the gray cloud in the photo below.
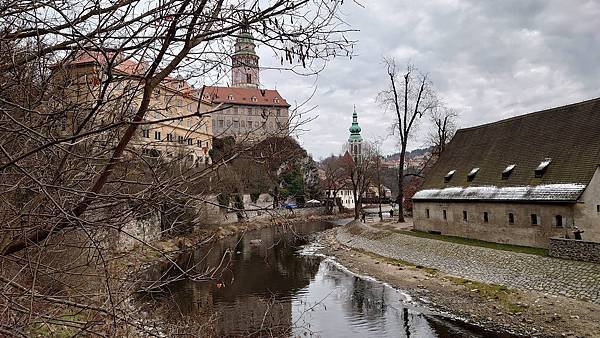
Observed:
{"x":487,"y":59}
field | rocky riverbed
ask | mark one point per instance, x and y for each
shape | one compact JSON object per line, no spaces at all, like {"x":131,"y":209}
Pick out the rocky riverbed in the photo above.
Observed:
{"x":500,"y":307}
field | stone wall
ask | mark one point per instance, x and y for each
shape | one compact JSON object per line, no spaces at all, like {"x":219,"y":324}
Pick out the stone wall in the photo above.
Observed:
{"x":497,"y":228}
{"x":573,"y":249}
{"x":137,"y":231}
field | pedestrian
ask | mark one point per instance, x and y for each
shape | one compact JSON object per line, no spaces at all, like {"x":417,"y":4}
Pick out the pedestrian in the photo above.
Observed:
{"x":577,"y":233}
{"x":391,"y":213}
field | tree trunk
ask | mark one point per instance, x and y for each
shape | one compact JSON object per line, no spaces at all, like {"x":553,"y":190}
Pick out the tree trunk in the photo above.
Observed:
{"x":400,"y":198}
{"x":356,"y":206}
{"x":379,"y":188}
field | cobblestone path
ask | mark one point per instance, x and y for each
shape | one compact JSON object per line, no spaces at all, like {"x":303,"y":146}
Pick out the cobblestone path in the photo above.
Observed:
{"x":517,"y":270}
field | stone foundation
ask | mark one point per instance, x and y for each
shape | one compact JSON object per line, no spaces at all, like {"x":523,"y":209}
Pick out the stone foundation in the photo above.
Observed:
{"x":574,"y":249}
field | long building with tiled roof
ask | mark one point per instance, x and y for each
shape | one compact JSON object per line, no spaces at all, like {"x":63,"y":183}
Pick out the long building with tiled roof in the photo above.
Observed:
{"x":521,"y":180}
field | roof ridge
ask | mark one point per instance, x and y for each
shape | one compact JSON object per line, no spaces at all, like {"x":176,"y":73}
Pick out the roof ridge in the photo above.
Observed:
{"x":526,"y":115}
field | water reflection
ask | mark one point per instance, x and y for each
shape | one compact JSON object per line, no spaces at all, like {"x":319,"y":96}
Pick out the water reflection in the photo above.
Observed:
{"x":266,"y":288}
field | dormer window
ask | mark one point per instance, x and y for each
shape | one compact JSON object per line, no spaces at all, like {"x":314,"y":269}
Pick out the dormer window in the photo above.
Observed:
{"x":230,"y":97}
{"x":541,"y":169}
{"x":507,"y":171}
{"x":472,"y":173}
{"x":276,"y":100}
{"x":253,"y":98}
{"x":449,"y":175}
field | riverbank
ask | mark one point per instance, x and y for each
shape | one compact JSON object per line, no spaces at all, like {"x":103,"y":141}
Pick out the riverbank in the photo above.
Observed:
{"x":145,"y":264}
{"x":490,"y":305}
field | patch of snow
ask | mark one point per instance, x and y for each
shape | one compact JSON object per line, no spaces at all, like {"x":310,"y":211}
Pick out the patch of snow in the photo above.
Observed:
{"x":543,"y":164}
{"x":547,"y":192}
{"x":509,"y":168}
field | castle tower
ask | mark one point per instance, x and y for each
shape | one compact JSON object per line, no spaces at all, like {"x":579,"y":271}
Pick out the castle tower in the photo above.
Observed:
{"x":244,"y":71}
{"x":355,"y":139}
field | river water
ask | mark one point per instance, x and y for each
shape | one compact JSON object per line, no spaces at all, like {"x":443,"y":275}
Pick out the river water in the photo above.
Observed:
{"x":271,"y":283}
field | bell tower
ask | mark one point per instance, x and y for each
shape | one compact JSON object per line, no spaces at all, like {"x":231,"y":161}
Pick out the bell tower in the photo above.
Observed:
{"x":355,"y":139}
{"x":244,"y":71}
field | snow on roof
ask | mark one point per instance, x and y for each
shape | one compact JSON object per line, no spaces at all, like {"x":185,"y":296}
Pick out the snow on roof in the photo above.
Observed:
{"x":548,"y":192}
{"x":509,"y":168}
{"x":473,"y":172}
{"x":545,"y":163}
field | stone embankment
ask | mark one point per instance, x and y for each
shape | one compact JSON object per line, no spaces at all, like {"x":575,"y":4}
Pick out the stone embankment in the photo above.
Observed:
{"x":574,"y":279}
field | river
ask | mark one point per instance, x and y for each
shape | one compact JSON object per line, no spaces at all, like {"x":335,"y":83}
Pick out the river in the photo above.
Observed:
{"x":272,"y":282}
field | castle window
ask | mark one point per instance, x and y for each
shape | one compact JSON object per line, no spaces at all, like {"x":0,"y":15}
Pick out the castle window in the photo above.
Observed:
{"x":427,"y":212}
{"x":157,"y":135}
{"x":507,"y":171}
{"x":220,"y":123}
{"x":486,"y":217}
{"x":180,"y":139}
{"x":278,"y":112}
{"x":511,"y":218}
{"x":559,"y":221}
{"x":199,"y":143}
{"x":472,"y":173}
{"x":242,"y":123}
{"x":598,"y":208}
{"x":541,"y":169}
{"x":190,"y":141}
{"x":146,"y":133}
{"x":230,"y":97}
{"x":535,"y":219}
{"x":253,"y":99}
{"x":444,"y":214}
{"x":248,"y":78}
{"x":465,"y":216}
{"x":449,"y":175}
{"x":170,"y":137}
{"x":276,"y":100}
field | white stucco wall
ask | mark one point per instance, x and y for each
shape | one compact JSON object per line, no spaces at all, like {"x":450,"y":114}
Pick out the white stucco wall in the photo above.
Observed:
{"x":345,"y":195}
{"x":497,"y":229}
{"x":587,"y":216}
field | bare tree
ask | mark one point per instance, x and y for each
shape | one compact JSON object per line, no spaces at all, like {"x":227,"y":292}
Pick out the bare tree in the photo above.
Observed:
{"x":410,"y":96}
{"x":444,"y":128}
{"x":83,"y":86}
{"x":361,"y":174}
{"x":335,"y":179}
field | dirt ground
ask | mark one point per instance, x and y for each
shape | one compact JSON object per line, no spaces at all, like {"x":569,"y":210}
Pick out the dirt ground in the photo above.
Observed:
{"x":491,"y":306}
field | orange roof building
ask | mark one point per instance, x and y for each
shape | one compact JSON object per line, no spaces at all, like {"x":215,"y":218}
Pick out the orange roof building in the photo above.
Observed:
{"x":245,"y":110}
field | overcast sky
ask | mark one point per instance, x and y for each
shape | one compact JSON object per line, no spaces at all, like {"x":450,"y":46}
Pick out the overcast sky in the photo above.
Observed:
{"x":487,"y":59}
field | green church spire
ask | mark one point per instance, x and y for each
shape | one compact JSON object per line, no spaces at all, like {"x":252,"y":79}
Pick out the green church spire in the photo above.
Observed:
{"x":355,"y":129}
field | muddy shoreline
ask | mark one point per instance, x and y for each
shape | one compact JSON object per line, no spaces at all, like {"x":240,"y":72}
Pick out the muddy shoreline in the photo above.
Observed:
{"x":526,"y":313}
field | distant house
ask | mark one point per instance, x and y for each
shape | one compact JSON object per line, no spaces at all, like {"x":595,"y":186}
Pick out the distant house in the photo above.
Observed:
{"x":519,"y":180}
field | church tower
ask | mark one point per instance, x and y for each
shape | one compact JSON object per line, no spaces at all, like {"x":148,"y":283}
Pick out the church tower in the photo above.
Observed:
{"x":244,"y":71}
{"x":355,"y":140}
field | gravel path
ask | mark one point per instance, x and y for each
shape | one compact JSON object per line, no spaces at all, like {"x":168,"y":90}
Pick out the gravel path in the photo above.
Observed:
{"x":517,"y":270}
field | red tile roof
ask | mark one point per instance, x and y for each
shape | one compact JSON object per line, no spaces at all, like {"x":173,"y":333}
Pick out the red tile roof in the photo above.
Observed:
{"x":132,"y":67}
{"x":246,"y":96}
